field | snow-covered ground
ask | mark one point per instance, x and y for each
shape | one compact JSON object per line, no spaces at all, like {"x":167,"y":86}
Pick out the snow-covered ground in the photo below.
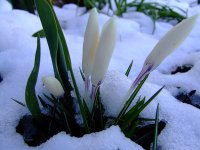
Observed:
{"x":135,"y":41}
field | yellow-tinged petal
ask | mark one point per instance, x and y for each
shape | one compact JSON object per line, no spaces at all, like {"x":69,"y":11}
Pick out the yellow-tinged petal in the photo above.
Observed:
{"x":53,"y":86}
{"x":90,"y":43}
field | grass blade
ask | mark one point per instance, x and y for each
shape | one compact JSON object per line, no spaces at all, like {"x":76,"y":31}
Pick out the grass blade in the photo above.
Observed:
{"x":129,"y":68}
{"x":82,"y":74}
{"x":30,"y":95}
{"x":156,"y":129}
{"x":143,"y":106}
{"x":50,"y":29}
{"x":43,"y":103}
{"x":40,"y":32}
{"x":69,"y":67}
{"x":130,"y":100}
{"x":18,"y":102}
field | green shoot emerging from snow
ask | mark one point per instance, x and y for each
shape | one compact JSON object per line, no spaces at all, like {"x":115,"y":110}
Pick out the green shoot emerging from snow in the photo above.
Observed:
{"x":97,"y":52}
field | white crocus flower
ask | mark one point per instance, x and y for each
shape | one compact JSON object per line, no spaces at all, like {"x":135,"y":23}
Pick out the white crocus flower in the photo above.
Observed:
{"x":90,"y":43}
{"x":91,"y":39}
{"x":164,"y":47}
{"x":104,"y":51}
{"x":103,"y":54}
{"x":53,"y":86}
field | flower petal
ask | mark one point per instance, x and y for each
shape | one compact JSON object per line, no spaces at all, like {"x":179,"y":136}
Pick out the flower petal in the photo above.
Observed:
{"x":170,"y":41}
{"x":104,"y":51}
{"x":53,"y":86}
{"x":90,"y":43}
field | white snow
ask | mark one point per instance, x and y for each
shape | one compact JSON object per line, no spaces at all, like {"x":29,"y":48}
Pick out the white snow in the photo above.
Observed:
{"x":134,"y":42}
{"x":5,"y":6}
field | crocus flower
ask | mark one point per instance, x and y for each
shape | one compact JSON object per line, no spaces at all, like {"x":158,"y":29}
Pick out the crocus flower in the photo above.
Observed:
{"x":104,"y":52}
{"x":164,"y":47}
{"x":53,"y":86}
{"x":90,"y":43}
{"x":91,"y":39}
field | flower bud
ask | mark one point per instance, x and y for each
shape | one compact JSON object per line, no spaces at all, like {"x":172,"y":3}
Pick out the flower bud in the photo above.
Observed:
{"x":170,"y":41}
{"x":104,"y":51}
{"x":90,"y":43}
{"x":165,"y":46}
{"x":53,"y":86}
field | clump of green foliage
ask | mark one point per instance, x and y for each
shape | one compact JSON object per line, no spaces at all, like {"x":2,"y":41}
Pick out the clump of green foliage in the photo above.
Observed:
{"x":62,"y":108}
{"x":155,"y":10}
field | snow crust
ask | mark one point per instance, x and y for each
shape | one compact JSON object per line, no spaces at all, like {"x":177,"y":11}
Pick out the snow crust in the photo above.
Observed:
{"x":135,"y":40}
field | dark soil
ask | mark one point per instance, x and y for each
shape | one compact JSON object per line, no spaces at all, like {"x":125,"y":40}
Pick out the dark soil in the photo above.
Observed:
{"x":190,"y":98}
{"x":1,"y":79}
{"x":35,"y":132}
{"x":60,"y":3}
{"x":182,"y":69}
{"x":144,"y":136}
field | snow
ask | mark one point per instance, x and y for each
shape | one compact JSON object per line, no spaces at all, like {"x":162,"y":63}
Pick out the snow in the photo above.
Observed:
{"x":5,"y":6}
{"x":134,"y":42}
{"x":98,"y":141}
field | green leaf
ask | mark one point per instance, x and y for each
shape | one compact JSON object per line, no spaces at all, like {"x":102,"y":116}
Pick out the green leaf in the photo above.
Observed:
{"x":62,"y":69}
{"x":87,"y":111}
{"x":130,"y":100}
{"x":66,"y":119}
{"x":57,"y":104}
{"x":141,"y":108}
{"x":82,"y":74}
{"x":69,"y":67}
{"x":131,"y":115}
{"x":97,"y":114}
{"x":132,"y":130}
{"x":44,"y":104}
{"x":129,"y":68}
{"x":18,"y":102}
{"x":40,"y":32}
{"x":156,"y":129}
{"x":27,"y":5}
{"x":54,"y":37}
{"x":50,"y":29}
{"x":30,"y":95}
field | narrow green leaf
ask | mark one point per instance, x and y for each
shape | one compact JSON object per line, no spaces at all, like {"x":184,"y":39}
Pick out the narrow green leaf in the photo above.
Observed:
{"x":62,"y":69}
{"x":44,"y":104}
{"x":66,"y":119}
{"x":40,"y":32}
{"x":20,"y":103}
{"x":30,"y":95}
{"x":97,"y":113}
{"x":147,"y":119}
{"x":134,"y":115}
{"x":50,"y":29}
{"x":129,"y":68}
{"x":57,"y":104}
{"x":156,"y":129}
{"x":150,"y":99}
{"x":87,"y":111}
{"x":69,"y":67}
{"x":82,"y":74}
{"x":131,"y":115}
{"x":49,"y":23}
{"x":54,"y":37}
{"x":134,"y":109}
{"x":130,"y":100}
{"x":132,"y":130}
